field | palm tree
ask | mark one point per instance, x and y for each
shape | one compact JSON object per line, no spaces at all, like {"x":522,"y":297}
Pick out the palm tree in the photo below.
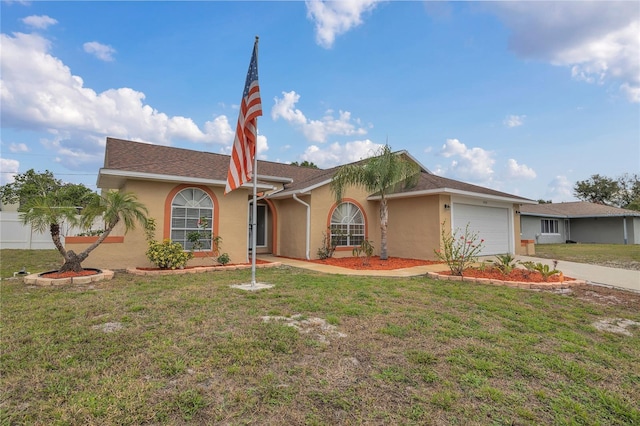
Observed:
{"x":378,"y":174}
{"x":114,"y":207}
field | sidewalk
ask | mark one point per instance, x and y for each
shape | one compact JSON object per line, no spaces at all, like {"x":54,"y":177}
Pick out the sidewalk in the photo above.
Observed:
{"x":328,"y":269}
{"x":592,"y":274}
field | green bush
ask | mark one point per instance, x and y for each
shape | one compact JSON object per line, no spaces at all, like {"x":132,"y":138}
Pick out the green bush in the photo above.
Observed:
{"x":459,"y":251}
{"x":167,"y":254}
{"x":506,"y":263}
{"x":224,"y":258}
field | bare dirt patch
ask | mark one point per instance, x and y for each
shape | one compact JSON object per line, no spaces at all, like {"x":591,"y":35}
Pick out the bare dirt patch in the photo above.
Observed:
{"x":317,"y":327}
{"x":616,"y":325}
{"x":604,"y":296}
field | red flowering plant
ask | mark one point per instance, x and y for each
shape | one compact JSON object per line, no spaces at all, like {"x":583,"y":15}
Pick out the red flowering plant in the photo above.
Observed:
{"x":459,"y":251}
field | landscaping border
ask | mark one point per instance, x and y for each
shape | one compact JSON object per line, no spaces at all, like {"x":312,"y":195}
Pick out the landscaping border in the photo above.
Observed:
{"x":36,"y":279}
{"x":198,"y":269}
{"x":515,"y":284}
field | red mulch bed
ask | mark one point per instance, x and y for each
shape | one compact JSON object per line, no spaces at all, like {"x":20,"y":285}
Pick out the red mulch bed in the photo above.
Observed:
{"x":521,"y":275}
{"x":69,"y":274}
{"x":374,"y":263}
{"x":258,"y":262}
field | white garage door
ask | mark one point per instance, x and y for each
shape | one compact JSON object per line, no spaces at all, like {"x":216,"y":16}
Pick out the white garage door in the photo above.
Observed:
{"x":491,"y":224}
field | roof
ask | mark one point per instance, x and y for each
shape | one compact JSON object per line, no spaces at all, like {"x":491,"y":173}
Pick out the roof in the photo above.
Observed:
{"x":577,"y":209}
{"x":127,"y":159}
{"x":429,"y":183}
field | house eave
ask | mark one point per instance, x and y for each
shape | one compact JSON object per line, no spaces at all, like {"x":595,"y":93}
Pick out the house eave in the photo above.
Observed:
{"x":450,"y":191}
{"x":115,"y":179}
{"x":301,"y":191}
{"x":581,"y":216}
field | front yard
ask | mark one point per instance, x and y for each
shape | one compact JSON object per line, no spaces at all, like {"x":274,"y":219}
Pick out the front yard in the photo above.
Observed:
{"x":315,"y":349}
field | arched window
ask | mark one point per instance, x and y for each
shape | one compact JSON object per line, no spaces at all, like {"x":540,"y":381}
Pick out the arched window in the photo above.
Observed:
{"x":192,"y":212}
{"x":347,"y":225}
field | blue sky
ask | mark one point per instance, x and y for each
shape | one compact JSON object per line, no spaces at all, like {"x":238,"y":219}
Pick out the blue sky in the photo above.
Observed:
{"x":523,"y":97}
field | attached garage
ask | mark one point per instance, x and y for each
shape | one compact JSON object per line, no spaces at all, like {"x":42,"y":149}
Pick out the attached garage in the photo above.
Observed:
{"x":492,"y":224}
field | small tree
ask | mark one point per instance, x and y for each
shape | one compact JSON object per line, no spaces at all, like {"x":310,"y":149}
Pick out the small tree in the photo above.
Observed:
{"x":459,"y":251}
{"x":378,"y":174}
{"x":30,"y":184}
{"x":48,"y":211}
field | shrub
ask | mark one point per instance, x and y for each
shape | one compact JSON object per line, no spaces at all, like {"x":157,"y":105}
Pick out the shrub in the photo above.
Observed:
{"x":459,"y":252}
{"x":224,"y":258}
{"x":505,"y":263}
{"x":365,"y":248}
{"x":167,"y":254}
{"x":545,"y":270}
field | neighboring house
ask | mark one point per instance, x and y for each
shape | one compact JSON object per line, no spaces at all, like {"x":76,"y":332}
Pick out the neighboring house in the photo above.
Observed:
{"x":296,"y":208}
{"x":579,"y":222}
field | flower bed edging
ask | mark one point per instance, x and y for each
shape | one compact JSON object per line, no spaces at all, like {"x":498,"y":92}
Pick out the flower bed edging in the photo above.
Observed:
{"x":198,"y":269}
{"x":36,"y":279}
{"x":515,"y":284}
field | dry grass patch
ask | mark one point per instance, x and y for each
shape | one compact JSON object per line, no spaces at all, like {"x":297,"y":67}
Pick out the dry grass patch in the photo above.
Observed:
{"x":335,"y":350}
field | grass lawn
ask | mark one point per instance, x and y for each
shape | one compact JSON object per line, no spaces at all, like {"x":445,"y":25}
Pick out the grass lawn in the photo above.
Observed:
{"x":615,"y":255}
{"x":189,"y":349}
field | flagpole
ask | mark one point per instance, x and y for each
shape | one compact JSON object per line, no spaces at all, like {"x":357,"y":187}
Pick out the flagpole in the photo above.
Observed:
{"x":254,"y":224}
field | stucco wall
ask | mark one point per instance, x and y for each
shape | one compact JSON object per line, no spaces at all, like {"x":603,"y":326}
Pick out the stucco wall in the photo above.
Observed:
{"x":604,"y":230}
{"x":414,"y":226}
{"x":230,"y":224}
{"x":323,"y":202}
{"x":291,"y":228}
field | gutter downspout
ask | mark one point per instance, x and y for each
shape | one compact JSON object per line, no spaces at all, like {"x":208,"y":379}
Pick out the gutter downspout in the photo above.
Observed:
{"x":308,"y":233}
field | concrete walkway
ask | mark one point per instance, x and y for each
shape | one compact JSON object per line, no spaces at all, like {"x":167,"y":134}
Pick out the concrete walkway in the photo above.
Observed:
{"x":328,"y":269}
{"x":592,"y":274}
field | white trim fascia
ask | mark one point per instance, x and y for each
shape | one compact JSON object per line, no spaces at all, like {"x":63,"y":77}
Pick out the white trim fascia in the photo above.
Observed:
{"x":302,"y":191}
{"x":588,"y":216}
{"x":453,"y":192}
{"x":405,"y":152}
{"x":542,"y":216}
{"x":278,"y":179}
{"x":107,"y":173}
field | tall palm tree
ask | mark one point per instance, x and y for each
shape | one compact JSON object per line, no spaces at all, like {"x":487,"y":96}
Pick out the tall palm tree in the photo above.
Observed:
{"x":114,"y":207}
{"x":378,"y":174}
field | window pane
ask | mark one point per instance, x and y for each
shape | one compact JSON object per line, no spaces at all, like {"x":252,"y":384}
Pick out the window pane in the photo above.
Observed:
{"x":188,"y":206}
{"x":347,"y":225}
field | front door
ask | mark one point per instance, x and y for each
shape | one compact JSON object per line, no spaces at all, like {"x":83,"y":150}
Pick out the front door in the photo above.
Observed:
{"x":262,"y":245}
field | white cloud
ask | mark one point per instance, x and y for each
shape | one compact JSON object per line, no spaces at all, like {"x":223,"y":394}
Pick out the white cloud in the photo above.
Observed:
{"x":18,"y":147}
{"x":597,"y":40}
{"x":336,"y":154}
{"x":9,"y":170}
{"x":99,"y":50}
{"x":39,"y":92}
{"x":514,"y":120}
{"x":40,"y":22}
{"x":517,"y":171}
{"x":315,"y":130}
{"x":333,"y":18}
{"x":559,"y":190}
{"x":467,"y":164}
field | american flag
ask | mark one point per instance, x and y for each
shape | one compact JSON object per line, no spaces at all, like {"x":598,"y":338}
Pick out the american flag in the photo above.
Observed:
{"x":244,"y":145}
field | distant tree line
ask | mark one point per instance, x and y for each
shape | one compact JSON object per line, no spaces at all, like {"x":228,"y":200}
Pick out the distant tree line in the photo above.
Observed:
{"x":305,"y":163}
{"x":623,"y":192}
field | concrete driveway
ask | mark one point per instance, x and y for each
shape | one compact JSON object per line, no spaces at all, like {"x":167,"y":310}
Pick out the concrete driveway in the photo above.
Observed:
{"x":594,"y":274}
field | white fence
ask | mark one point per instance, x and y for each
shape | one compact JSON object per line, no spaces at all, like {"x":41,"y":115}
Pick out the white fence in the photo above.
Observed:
{"x":15,"y":235}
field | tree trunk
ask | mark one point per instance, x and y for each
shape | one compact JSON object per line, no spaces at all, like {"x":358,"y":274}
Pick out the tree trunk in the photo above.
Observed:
{"x":384,"y":218}
{"x":72,"y":262}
